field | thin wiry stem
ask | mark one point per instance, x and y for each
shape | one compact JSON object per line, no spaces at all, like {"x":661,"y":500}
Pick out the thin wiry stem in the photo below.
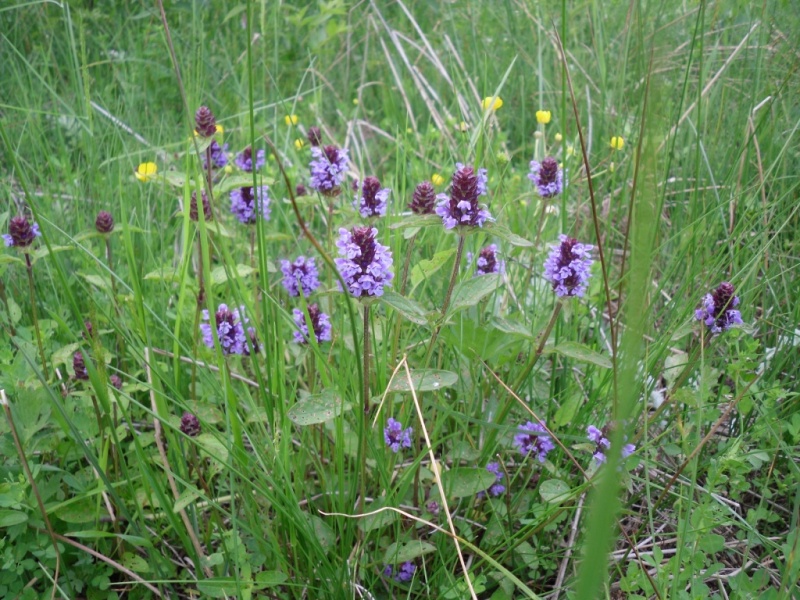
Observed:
{"x":447,"y":298}
{"x":35,"y":316}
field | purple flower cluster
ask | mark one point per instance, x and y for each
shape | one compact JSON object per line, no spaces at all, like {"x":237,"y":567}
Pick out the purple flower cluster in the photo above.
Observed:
{"x":190,"y":424}
{"x":219,"y":156}
{"x":487,"y":261}
{"x":245,"y":205}
{"x":567,"y":267}
{"x":366,"y":265}
{"x":395,"y":436}
{"x":301,"y":275}
{"x":602,"y":443}
{"x":244,"y":160}
{"x":717,"y":311}
{"x":230,"y":331}
{"x":319,"y":322}
{"x":328,"y":169}
{"x":547,"y":176}
{"x":461,"y":207}
{"x":21,"y":233}
{"x":533,"y":439}
{"x":79,"y":366}
{"x":404,"y":573}
{"x":372,"y":200}
{"x":423,"y":202}
{"x":496,"y":488}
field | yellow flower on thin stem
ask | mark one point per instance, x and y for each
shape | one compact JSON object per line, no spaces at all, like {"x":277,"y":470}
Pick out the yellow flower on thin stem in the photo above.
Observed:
{"x":291,"y":120}
{"x":559,"y":137}
{"x":543,"y":116}
{"x":299,"y":143}
{"x":617,"y":142}
{"x":492,"y":103}
{"x":146,"y":171}
{"x":437,"y":179}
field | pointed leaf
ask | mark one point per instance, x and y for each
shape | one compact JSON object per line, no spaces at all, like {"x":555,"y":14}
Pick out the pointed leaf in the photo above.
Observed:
{"x":425,"y":268}
{"x":407,"y":307}
{"x":423,"y":380}
{"x":581,"y":353}
{"x":470,"y":292}
{"x":505,"y":234}
{"x":417,"y":221}
{"x":219,"y":275}
{"x":317,"y":409}
{"x":401,"y":552}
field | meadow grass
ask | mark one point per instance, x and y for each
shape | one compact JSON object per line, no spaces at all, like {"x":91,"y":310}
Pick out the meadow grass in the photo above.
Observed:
{"x":258,"y":472}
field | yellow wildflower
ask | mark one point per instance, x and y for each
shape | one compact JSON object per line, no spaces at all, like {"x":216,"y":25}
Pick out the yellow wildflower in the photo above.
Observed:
{"x":220,"y":129}
{"x":437,"y":179}
{"x":492,"y":103}
{"x":617,"y":142}
{"x":543,"y":116}
{"x":146,"y":171}
{"x":299,"y":143}
{"x":291,"y":120}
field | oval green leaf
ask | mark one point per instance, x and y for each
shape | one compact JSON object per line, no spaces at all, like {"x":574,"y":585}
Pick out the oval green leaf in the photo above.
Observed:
{"x":401,"y":552}
{"x":317,"y":409}
{"x":423,"y":380}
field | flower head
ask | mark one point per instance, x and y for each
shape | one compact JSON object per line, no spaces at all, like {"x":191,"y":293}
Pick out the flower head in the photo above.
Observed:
{"x":328,"y":167}
{"x":219,"y":156}
{"x":365,"y":266}
{"x":461,"y":207}
{"x":617,"y":142}
{"x":372,"y":200}
{"x":300,"y":190}
{"x":487,"y":261}
{"x":291,"y":120}
{"x":245,"y":205}
{"x":547,"y":176}
{"x":146,"y":171}
{"x":314,"y":136}
{"x":423,"y":202}
{"x":300,"y":276}
{"x":395,"y":436}
{"x":406,"y":572}
{"x":437,"y":179}
{"x":104,"y":223}
{"x":717,"y":311}
{"x":567,"y":267}
{"x":21,"y":232}
{"x":204,"y":122}
{"x":79,"y":366}
{"x":244,"y":160}
{"x":602,"y":444}
{"x":190,"y":424}
{"x":194,"y":214}
{"x":230,"y":330}
{"x":115,"y":381}
{"x":299,"y":143}
{"x":533,"y":439}
{"x":543,"y":116}
{"x":492,"y":103}
{"x":319,"y":322}
{"x":496,"y":488}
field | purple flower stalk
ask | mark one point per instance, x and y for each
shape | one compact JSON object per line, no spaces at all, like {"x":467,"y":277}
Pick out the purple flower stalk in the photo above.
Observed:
{"x":547,"y":176}
{"x":245,"y":205}
{"x":423,"y":202}
{"x":79,"y":366}
{"x":602,"y":443}
{"x":372,"y":200}
{"x":21,"y":233}
{"x":328,"y":168}
{"x":567,"y":267}
{"x":301,"y":275}
{"x":395,"y":436}
{"x":104,"y":223}
{"x":219,"y":156}
{"x":366,"y":265}
{"x":205,"y":124}
{"x":533,"y":439}
{"x":314,"y":136}
{"x":487,"y":261}
{"x":406,"y":572}
{"x":717,"y":311}
{"x":319,"y":321}
{"x":461,"y":207}
{"x":496,"y":488}
{"x":230,"y":330}
{"x":244,"y":160}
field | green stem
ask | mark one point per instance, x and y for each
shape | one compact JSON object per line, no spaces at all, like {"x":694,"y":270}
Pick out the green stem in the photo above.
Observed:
{"x":4,"y":298}
{"x":35,"y":316}
{"x":403,"y":283}
{"x":366,"y":359}
{"x":447,"y":298}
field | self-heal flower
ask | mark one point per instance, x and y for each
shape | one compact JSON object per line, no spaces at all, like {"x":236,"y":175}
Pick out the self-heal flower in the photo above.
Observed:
{"x":496,"y":488}
{"x":461,"y":207}
{"x":319,"y":322}
{"x":104,"y":223}
{"x":366,"y":264}
{"x":230,"y":329}
{"x":328,"y":167}
{"x":219,"y":156}
{"x":204,"y":122}
{"x":717,"y":311}
{"x":487,"y":261}
{"x":21,"y":232}
{"x":395,"y":436}
{"x":301,"y":275}
{"x":406,"y":572}
{"x":567,"y":267}
{"x":547,"y":176}
{"x":244,"y":160}
{"x":146,"y":171}
{"x":543,"y":116}
{"x":371,"y":202}
{"x":423,"y":202}
{"x":79,"y":366}
{"x":314,"y":136}
{"x":533,"y":439}
{"x":194,"y":213}
{"x":602,"y":444}
{"x":190,"y":424}
{"x":246,"y":205}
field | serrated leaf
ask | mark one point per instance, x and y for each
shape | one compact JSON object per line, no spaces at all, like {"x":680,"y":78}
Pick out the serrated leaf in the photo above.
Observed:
{"x":505,"y":234}
{"x":425,"y":268}
{"x":554,"y":491}
{"x":407,"y":307}
{"x":581,"y":353}
{"x":10,"y":517}
{"x":401,"y":552}
{"x":417,"y":221}
{"x":468,"y":293}
{"x":219,"y":275}
{"x":423,"y":380}
{"x":464,"y":482}
{"x":317,"y":409}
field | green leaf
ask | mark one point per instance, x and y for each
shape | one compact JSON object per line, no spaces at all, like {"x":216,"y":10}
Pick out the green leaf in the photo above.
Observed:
{"x":188,"y":496}
{"x":219,"y":275}
{"x":44,"y":251}
{"x":417,"y":221}
{"x":566,"y":412}
{"x":425,"y":268}
{"x":270,"y":579}
{"x":63,"y":356}
{"x":401,"y":552}
{"x":511,"y":327}
{"x":464,"y":482}
{"x":581,"y":353}
{"x":505,"y":234}
{"x":15,"y":313}
{"x":221,"y":587}
{"x":239,"y":181}
{"x":76,"y":512}
{"x":710,"y":543}
{"x":423,"y":380}
{"x":97,"y":281}
{"x":12,"y":517}
{"x":7,"y":258}
{"x":407,"y":307}
{"x":135,"y":563}
{"x":170,"y":274}
{"x":470,"y":292}
{"x":378,"y":520}
{"x":317,"y":409}
{"x":213,"y":447}
{"x":554,"y":491}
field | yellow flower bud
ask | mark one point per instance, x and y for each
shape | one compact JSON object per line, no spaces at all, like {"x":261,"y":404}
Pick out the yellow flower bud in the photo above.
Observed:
{"x":543,"y":116}
{"x":617,"y":142}
{"x":537,"y":135}
{"x":437,"y":179}
{"x":355,"y":101}
{"x":146,"y":171}
{"x":559,"y":137}
{"x":299,"y":143}
{"x":291,"y":120}
{"x":492,"y":103}
{"x":228,"y":169}
{"x":462,"y":127}
{"x":570,"y":150}
{"x":611,"y":167}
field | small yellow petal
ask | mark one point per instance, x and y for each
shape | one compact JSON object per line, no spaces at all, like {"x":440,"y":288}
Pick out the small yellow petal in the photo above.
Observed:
{"x":299,"y":143}
{"x":291,"y":120}
{"x":492,"y":103}
{"x":559,"y":137}
{"x":146,"y":171}
{"x":543,"y":116}
{"x":220,"y":128}
{"x":617,"y":142}
{"x":437,"y":179}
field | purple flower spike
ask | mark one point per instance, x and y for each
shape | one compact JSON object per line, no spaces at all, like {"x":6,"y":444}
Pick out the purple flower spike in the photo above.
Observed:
{"x":602,"y":444}
{"x":395,"y":436}
{"x":328,"y":168}
{"x":21,"y":233}
{"x":230,"y":330}
{"x":406,"y":572}
{"x":461,"y":207}
{"x":319,"y":321}
{"x":718,"y":311}
{"x":533,"y":439}
{"x":302,"y":274}
{"x":244,"y":160}
{"x":219,"y":156}
{"x":547,"y":176}
{"x":366,"y":265}
{"x":487,"y":262}
{"x":245,"y":205}
{"x":372,"y":200}
{"x":567,"y":267}
{"x":423,"y":202}
{"x":496,"y":489}
{"x":190,"y":424}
